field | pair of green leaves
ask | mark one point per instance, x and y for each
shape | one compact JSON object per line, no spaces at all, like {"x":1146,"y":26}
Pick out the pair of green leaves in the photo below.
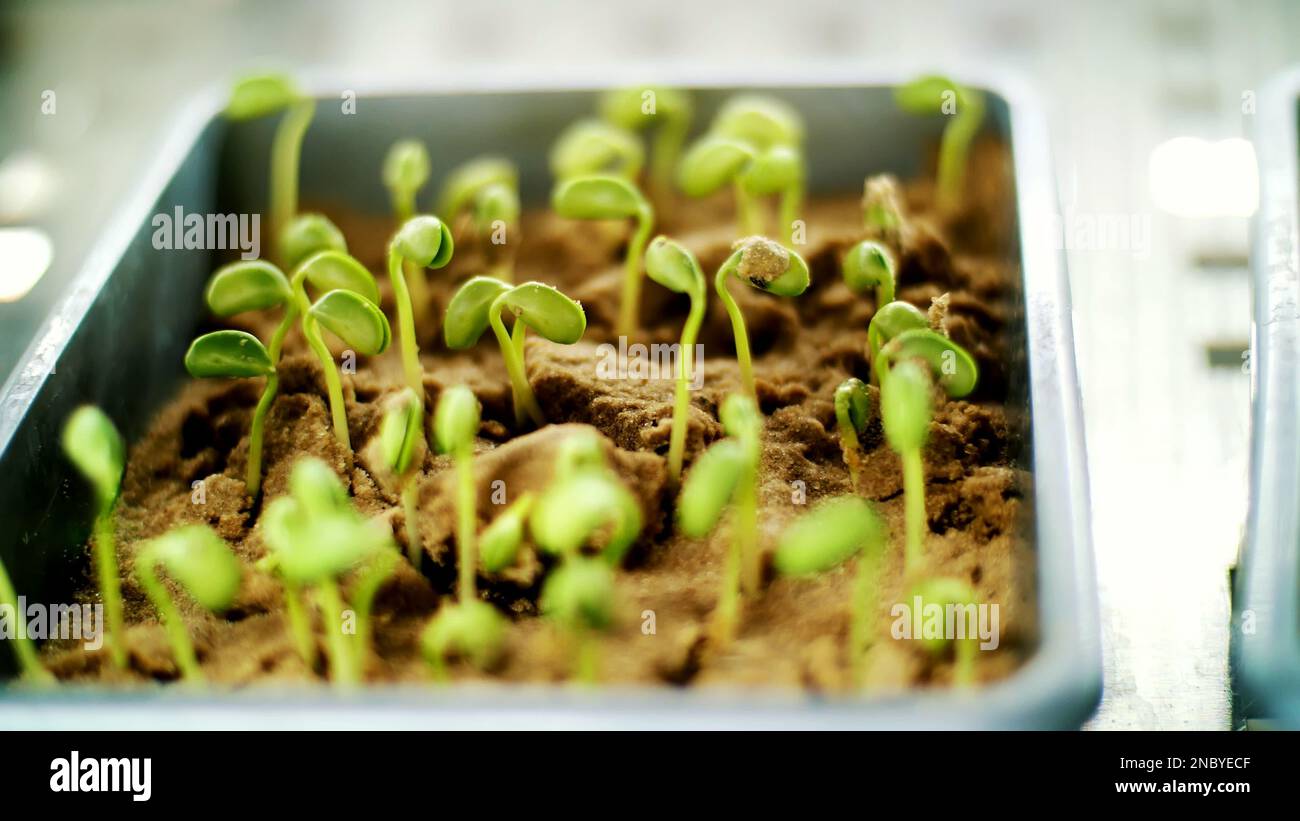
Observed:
{"x":540,"y":307}
{"x":599,"y":197}
{"x":716,"y":161}
{"x":596,"y":147}
{"x":768,"y":266}
{"x":714,"y":478}
{"x":829,"y":534}
{"x":405,"y":170}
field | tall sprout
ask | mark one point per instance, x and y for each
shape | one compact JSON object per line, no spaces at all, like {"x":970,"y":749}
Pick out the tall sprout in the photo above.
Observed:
{"x":405,"y":171}
{"x":931,"y":95}
{"x":421,"y":242}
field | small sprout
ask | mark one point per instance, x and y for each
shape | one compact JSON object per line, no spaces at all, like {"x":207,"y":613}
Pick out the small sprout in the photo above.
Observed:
{"x":467,"y":182}
{"x":579,"y":596}
{"x":596,"y":147}
{"x":472,"y":630}
{"x":406,"y":170}
{"x":828,"y":535}
{"x":726,"y":474}
{"x":965,"y":106}
{"x":307,"y":234}
{"x":261,"y":95}
{"x":481,"y":301}
{"x":870,"y":265}
{"x":890,"y":320}
{"x":423,"y":242}
{"x":667,"y":110}
{"x":852,"y":414}
{"x":235,"y":288}
{"x":455,"y":426}
{"x":945,"y":593}
{"x":760,"y":121}
{"x":401,"y":437}
{"x":905,"y":410}
{"x":96,"y":449}
{"x":949,"y":363}
{"x":767,"y":266}
{"x":486,"y":190}
{"x":676,"y":268}
{"x":201,"y":562}
{"x":882,"y":212}
{"x":500,"y":541}
{"x":29,"y":663}
{"x":605,"y":198}
{"x":316,"y":538}
{"x":573,"y":509}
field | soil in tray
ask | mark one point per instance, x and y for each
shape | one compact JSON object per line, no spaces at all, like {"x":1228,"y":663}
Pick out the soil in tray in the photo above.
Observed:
{"x":794,"y":634}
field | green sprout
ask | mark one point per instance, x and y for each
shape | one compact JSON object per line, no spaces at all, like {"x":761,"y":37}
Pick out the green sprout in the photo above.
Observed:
{"x":604,"y":197}
{"x":767,"y":266}
{"x":948,"y":592}
{"x":201,"y":562}
{"x":258,"y":96}
{"x":931,"y":95}
{"x":316,"y":538}
{"x":307,"y":234}
{"x":667,"y":110}
{"x":481,"y":301}
{"x":882,"y":212}
{"x":714,"y":161}
{"x":676,"y":268}
{"x":96,"y":449}
{"x":852,"y":414}
{"x":423,"y":242}
{"x":500,"y":541}
{"x":869,"y":264}
{"x":890,"y":320}
{"x":29,"y":663}
{"x":487,"y":190}
{"x":726,"y":475}
{"x":585,"y":500}
{"x":405,"y":171}
{"x":596,"y":147}
{"x":907,"y":368}
{"x":469,"y":628}
{"x":401,"y":435}
{"x":829,"y":534}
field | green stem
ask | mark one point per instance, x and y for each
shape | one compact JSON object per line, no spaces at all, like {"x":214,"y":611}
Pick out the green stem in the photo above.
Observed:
{"x":25,"y":651}
{"x":747,"y":531}
{"x":182,"y":647}
{"x":747,"y":217}
{"x":286,"y":151}
{"x":629,"y":310}
{"x":791,"y":201}
{"x":369,"y":579}
{"x":954,"y":148}
{"x":342,"y":664}
{"x":913,"y":510}
{"x":737,"y":326}
{"x":410,"y":498}
{"x":466,"y":524}
{"x":523,"y":392}
{"x":682,"y":403}
{"x":587,"y":665}
{"x":963,"y":671}
{"x":109,"y":585}
{"x":665,"y":148}
{"x":253,"y":476}
{"x":864,"y":606}
{"x":406,"y":326}
{"x":299,"y":625}
{"x":333,"y":384}
{"x":728,"y":611}
{"x":518,"y":332}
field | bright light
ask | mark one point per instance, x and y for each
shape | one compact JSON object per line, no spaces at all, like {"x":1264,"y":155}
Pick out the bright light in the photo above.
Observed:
{"x":1193,"y":177}
{"x":25,"y":255}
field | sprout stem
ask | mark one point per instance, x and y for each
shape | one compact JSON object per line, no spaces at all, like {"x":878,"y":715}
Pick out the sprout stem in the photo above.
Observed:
{"x":914,"y":510}
{"x":253,"y":476}
{"x":747,"y":527}
{"x":665,"y":149}
{"x":963,"y":671}
{"x":728,"y":610}
{"x":587,"y":666}
{"x":864,"y":607}
{"x":286,"y":151}
{"x":512,"y":353}
{"x":406,"y":325}
{"x":466,"y":522}
{"x":518,"y":332}
{"x":628,"y":320}
{"x":109,"y":584}
{"x":791,"y":201}
{"x":737,"y":327}
{"x":177,"y":637}
{"x":24,"y":649}
{"x":341,"y":661}
{"x":333,"y":385}
{"x":682,"y":404}
{"x":954,"y":148}
{"x":747,"y":215}
{"x":299,"y":625}
{"x":410,"y":498}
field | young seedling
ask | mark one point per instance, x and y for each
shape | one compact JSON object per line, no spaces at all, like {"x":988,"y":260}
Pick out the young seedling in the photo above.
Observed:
{"x":890,"y":320}
{"x":201,"y":562}
{"x":945,"y":593}
{"x":666,"y":110}
{"x":481,"y":301}
{"x":469,"y":628}
{"x":579,"y":596}
{"x":965,"y":108}
{"x":596,"y":147}
{"x":831,"y":533}
{"x":485,"y":192}
{"x":401,"y":441}
{"x":405,"y":171}
{"x":317,"y":538}
{"x":307,"y":234}
{"x":852,"y":414}
{"x":258,"y":96}
{"x":423,"y":242}
{"x":96,"y":449}
{"x":29,"y":663}
{"x":716,"y":161}
{"x":676,"y":268}
{"x":500,"y":541}
{"x":869,"y":264}
{"x":767,"y":266}
{"x":605,"y":197}
{"x":907,"y":369}
{"x":726,"y":475}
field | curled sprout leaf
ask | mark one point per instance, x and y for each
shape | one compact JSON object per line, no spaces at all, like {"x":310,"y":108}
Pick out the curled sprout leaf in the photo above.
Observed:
{"x":831,"y":533}
{"x":468,"y":311}
{"x":949,"y":363}
{"x":932,"y":95}
{"x":676,"y":268}
{"x":308,"y":234}
{"x":424,"y":240}
{"x":852,"y":413}
{"x":354,"y":319}
{"x":545,"y":310}
{"x":400,"y":432}
{"x":767,"y":266}
{"x":596,"y":147}
{"x":465,"y":183}
{"x":331,"y":270}
{"x":471,"y":630}
{"x":870,"y":265}
{"x":230,"y":354}
{"x":94,"y":446}
{"x":253,"y":285}
{"x":406,"y":169}
{"x":500,"y":541}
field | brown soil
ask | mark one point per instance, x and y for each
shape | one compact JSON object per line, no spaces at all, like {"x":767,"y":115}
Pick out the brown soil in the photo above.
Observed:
{"x":794,"y":634}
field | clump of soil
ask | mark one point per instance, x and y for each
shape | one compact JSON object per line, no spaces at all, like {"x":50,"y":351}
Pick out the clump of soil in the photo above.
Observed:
{"x":189,"y":467}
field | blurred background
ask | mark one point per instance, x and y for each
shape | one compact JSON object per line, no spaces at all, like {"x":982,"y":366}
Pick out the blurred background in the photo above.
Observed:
{"x":1149,"y":106}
